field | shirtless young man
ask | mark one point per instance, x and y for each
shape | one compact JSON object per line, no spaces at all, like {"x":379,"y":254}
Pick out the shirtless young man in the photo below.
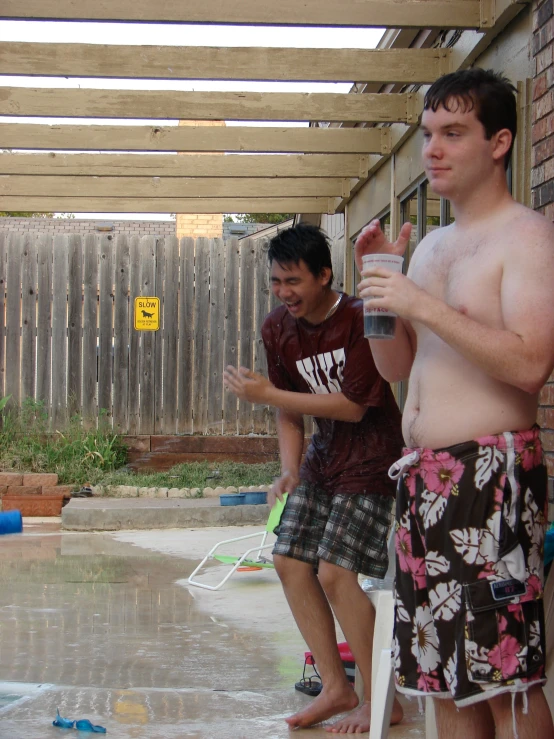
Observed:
{"x":476,"y":340}
{"x":339,"y":508}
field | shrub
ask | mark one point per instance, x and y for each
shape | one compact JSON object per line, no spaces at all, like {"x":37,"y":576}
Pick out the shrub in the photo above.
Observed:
{"x":77,"y":455}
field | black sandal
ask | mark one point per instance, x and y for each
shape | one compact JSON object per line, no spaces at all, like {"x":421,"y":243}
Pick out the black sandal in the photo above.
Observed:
{"x":309,"y":685}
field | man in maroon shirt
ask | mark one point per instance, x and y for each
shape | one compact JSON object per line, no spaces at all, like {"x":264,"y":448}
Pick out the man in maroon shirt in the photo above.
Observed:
{"x":338,"y":513}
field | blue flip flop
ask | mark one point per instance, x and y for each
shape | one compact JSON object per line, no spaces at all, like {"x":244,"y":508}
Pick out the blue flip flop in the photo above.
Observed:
{"x":82,"y":725}
{"x":85,"y":725}
{"x":62,"y":723}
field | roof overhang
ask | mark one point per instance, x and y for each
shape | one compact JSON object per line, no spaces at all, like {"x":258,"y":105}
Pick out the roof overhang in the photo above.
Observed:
{"x":139,"y":168}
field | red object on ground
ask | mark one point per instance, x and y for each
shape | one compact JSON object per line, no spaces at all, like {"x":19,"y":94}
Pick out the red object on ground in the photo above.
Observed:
{"x":249,"y":569}
{"x":346,"y":656}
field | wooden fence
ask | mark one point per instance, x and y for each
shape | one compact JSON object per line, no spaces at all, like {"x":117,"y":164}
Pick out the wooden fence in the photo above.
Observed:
{"x":67,"y":337}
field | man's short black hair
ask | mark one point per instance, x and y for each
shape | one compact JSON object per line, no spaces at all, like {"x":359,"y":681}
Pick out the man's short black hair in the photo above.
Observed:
{"x":302,"y":242}
{"x":489,"y":93}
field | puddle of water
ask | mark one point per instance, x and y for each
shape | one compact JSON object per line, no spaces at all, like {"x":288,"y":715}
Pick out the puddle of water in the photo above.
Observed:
{"x":73,"y":615}
{"x":100,"y":628}
{"x":11,"y":693}
{"x":7,"y":698}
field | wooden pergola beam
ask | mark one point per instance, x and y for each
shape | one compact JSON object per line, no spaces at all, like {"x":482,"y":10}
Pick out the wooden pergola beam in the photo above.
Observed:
{"x":375,"y":66}
{"x":496,"y":15}
{"x":179,"y":105}
{"x":195,"y":138}
{"x":368,"y":13}
{"x":166,"y":205}
{"x":172,"y":187}
{"x":176,"y":165}
{"x":219,"y":63}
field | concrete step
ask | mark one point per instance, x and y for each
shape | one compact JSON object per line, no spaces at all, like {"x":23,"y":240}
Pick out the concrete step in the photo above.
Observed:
{"x":114,"y":514}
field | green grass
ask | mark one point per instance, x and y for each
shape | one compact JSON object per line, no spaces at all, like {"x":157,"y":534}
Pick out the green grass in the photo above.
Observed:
{"x":98,"y":456}
{"x":77,"y":455}
{"x":198,"y":475}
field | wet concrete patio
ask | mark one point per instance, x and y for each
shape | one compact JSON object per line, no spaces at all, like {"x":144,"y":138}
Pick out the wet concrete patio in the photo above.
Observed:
{"x":103,"y":626}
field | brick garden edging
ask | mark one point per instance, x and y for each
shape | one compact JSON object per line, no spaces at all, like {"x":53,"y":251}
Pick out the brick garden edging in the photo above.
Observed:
{"x":38,"y":494}
{"x":132,"y":491}
{"x":32,"y":493}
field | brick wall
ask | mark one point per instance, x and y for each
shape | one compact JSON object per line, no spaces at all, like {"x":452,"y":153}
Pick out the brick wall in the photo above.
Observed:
{"x":204,"y":224}
{"x":83,"y":226}
{"x":241,"y":230}
{"x":131,"y":228}
{"x":542,"y":181}
{"x":543,"y":109}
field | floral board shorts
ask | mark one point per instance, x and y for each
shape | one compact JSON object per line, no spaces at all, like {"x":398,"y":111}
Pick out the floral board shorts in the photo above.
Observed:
{"x":350,"y":531}
{"x":470,"y":528}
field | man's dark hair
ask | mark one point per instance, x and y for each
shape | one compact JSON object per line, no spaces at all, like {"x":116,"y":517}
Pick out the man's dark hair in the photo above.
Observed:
{"x":489,"y":93}
{"x":302,"y":242}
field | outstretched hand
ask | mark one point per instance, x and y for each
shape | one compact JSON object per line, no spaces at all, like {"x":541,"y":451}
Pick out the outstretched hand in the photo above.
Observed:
{"x":287,"y":483}
{"x":372,"y":240}
{"x":247,"y":385}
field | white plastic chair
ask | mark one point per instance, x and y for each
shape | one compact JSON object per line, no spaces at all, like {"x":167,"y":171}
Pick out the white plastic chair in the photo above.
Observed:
{"x":382,"y":696}
{"x":251,"y":558}
{"x":382,"y":674}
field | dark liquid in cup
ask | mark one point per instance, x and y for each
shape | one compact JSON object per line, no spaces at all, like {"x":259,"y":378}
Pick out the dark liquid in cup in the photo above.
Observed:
{"x":379,"y":327}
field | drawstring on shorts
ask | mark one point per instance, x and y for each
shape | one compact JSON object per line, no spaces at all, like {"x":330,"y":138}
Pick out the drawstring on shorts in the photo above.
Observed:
{"x":514,"y":722}
{"x":524,"y":710}
{"x":399,"y":468}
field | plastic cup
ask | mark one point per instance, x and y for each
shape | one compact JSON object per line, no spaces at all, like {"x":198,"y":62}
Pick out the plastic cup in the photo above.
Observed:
{"x":380,"y":323}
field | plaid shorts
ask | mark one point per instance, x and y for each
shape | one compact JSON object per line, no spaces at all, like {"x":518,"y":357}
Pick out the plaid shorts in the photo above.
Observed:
{"x":350,"y":531}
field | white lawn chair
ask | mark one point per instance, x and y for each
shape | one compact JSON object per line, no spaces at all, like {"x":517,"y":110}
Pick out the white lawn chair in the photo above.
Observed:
{"x":251,"y":559}
{"x":382,"y":674}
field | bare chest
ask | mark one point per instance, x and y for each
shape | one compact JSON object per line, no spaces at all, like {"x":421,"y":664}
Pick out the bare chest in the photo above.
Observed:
{"x":466,"y":276}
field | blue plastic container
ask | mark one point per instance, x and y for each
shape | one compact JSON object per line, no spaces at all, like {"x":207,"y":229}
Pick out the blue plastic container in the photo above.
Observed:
{"x":11,"y":522}
{"x":232,"y":499}
{"x":256,"y":498}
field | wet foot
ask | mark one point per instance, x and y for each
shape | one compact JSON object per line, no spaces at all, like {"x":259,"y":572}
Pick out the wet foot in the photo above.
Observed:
{"x":327,"y":704}
{"x":357,"y":722}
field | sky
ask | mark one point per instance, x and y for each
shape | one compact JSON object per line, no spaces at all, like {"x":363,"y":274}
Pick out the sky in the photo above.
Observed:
{"x":177,"y":35}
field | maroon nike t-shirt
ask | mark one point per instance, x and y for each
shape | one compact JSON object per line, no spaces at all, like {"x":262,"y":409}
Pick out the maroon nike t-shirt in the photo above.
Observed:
{"x":334,"y":357}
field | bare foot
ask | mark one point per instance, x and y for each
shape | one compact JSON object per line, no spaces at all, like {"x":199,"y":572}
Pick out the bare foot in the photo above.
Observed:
{"x":357,"y":722}
{"x":328,"y":703}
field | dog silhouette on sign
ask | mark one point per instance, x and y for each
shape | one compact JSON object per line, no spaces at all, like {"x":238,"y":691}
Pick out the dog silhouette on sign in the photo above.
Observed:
{"x":146,"y":315}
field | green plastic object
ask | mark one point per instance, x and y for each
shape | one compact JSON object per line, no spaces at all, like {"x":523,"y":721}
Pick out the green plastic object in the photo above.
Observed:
{"x":272,"y":523}
{"x":228,"y":559}
{"x":276,"y":513}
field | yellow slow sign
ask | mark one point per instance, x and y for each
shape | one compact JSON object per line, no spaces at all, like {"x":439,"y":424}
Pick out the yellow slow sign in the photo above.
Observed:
{"x":147,"y":314}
